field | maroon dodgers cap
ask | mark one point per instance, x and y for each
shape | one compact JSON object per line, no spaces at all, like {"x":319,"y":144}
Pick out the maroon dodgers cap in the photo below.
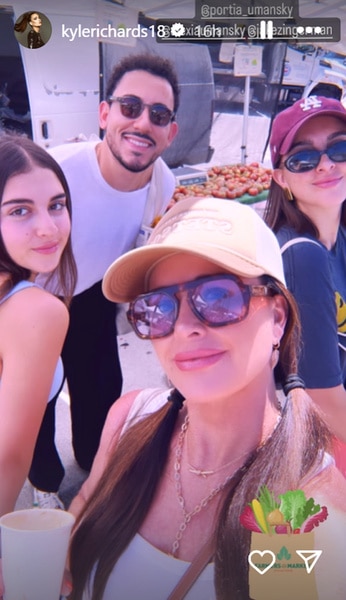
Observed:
{"x":287,"y":123}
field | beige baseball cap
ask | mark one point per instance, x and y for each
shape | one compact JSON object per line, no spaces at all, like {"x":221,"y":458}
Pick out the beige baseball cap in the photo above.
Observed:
{"x":224,"y":232}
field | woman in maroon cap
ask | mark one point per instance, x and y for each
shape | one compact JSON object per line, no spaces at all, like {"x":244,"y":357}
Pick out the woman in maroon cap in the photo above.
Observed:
{"x":306,"y":210}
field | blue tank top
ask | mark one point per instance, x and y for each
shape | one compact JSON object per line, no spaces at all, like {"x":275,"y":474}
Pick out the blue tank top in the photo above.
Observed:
{"x":58,"y":378}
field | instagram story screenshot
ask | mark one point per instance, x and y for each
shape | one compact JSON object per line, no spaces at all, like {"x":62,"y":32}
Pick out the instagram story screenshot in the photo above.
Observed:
{"x":192,"y":152}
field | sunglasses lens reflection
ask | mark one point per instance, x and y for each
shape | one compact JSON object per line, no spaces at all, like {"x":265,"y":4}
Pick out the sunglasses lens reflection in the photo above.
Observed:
{"x":219,"y":302}
{"x":160,"y":115}
{"x":215,"y":302}
{"x":132,"y":108}
{"x":306,"y":160}
{"x":154,"y":315}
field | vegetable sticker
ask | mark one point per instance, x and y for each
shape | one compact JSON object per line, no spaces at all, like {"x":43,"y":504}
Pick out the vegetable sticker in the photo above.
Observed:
{"x":291,"y":513}
{"x":282,"y":566}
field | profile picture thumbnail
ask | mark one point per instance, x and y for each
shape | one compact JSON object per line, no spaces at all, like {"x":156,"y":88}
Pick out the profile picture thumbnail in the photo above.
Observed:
{"x":33,"y":29}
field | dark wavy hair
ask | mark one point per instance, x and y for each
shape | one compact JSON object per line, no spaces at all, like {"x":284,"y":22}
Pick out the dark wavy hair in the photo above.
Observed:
{"x":280,"y":211}
{"x":115,"y":511}
{"x":19,"y":154}
{"x":151,"y":63}
{"x":25,"y":21}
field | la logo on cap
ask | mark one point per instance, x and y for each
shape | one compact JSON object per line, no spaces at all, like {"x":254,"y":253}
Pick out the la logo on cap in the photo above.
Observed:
{"x":311,"y":102}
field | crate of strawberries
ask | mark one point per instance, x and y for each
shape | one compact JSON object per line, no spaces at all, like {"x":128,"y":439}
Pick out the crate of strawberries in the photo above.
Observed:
{"x":245,"y":183}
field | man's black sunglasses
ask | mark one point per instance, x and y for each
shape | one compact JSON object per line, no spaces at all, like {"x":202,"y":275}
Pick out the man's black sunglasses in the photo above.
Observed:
{"x":306,"y":160}
{"x":132,"y":107}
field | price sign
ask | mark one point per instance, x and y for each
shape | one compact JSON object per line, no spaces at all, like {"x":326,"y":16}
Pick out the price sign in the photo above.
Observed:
{"x":247,"y":60}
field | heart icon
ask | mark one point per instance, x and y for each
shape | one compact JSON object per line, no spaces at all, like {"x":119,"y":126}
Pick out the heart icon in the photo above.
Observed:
{"x":262,"y":570}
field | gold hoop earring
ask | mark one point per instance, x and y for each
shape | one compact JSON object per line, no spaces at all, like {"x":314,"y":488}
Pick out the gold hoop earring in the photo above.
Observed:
{"x":288,"y":194}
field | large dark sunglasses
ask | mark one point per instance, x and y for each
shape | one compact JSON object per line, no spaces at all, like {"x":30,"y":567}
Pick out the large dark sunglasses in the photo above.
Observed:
{"x":216,"y":300}
{"x":132,"y":107}
{"x":306,"y":160}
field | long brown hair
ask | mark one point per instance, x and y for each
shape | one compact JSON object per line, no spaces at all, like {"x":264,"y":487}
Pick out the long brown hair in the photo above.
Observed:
{"x":280,"y":211}
{"x":23,"y":23}
{"x":116,"y":509}
{"x":19,"y":154}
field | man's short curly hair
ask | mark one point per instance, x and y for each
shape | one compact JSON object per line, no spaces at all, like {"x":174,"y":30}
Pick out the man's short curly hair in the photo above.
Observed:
{"x":151,"y":63}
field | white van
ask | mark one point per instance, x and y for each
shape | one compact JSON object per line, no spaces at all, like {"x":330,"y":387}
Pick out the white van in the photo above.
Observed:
{"x":310,"y":69}
{"x":52,"y":93}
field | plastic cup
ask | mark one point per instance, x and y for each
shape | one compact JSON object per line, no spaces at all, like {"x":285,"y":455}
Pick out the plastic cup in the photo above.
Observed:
{"x":34,"y":549}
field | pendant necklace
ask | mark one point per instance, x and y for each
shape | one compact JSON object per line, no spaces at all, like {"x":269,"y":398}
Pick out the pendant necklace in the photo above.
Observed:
{"x":204,"y":473}
{"x":177,"y":476}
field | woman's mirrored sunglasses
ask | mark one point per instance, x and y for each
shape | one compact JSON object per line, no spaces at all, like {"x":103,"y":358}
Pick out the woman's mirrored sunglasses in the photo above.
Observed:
{"x":306,"y":160}
{"x":132,"y":107}
{"x":216,"y":300}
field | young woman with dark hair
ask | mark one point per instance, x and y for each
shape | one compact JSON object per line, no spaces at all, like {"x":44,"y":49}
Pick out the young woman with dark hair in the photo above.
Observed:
{"x":35,"y":224}
{"x":176,"y":468}
{"x":34,"y":22}
{"x":307,"y":211}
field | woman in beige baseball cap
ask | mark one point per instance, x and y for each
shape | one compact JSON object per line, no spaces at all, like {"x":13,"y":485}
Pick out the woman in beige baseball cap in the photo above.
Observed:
{"x":177,"y":467}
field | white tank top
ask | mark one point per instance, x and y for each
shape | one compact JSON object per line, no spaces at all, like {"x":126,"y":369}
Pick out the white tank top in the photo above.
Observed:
{"x":58,"y":378}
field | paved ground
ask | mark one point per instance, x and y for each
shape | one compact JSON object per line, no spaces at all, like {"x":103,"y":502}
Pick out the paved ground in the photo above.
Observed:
{"x":140,"y":369}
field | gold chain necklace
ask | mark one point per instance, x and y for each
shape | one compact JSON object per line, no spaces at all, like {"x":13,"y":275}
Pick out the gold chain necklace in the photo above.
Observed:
{"x":204,"y":473}
{"x":177,"y":476}
{"x":205,"y":501}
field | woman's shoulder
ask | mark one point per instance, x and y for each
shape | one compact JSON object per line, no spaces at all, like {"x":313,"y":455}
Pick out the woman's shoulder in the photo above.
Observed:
{"x":121,"y":414}
{"x":35,"y":306}
{"x":302,"y":253}
{"x":39,"y":297}
{"x":341,"y":238}
{"x":35,"y":321}
{"x":289,"y":238}
{"x":329,"y":487}
{"x":148,"y":401}
{"x":134,"y":406}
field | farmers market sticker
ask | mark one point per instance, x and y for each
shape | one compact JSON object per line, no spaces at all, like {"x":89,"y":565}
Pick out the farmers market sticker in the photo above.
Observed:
{"x":291,"y":513}
{"x":286,"y":519}
{"x":283,"y":544}
{"x":263,"y":560}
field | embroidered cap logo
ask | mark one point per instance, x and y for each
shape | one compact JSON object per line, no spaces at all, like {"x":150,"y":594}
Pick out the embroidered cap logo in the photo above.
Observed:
{"x":311,"y":102}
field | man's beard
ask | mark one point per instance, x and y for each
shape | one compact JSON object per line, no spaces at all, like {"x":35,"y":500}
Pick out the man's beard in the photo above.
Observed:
{"x":133,"y":167}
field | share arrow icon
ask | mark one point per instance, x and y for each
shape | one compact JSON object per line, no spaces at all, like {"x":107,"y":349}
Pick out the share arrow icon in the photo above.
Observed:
{"x":310,"y":558}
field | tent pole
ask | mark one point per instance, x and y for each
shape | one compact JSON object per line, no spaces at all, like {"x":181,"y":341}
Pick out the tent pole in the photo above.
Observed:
{"x":245,"y":119}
